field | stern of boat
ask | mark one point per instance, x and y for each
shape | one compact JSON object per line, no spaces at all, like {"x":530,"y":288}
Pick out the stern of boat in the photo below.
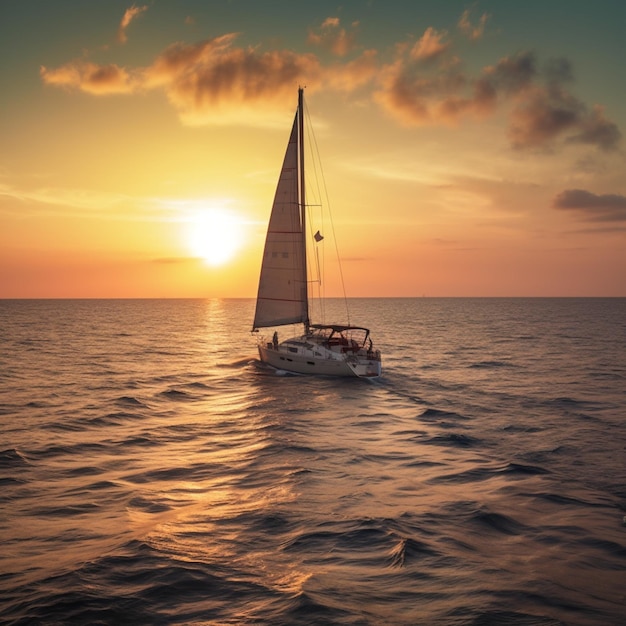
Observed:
{"x":366,"y":368}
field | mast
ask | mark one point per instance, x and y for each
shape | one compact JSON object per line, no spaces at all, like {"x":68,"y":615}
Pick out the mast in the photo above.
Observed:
{"x":302,"y":198}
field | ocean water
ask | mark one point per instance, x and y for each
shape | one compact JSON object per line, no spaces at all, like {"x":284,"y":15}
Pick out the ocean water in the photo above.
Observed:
{"x":152,"y":473}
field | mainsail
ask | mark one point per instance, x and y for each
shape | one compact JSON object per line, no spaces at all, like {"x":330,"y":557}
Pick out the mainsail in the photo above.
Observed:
{"x":282,"y":296}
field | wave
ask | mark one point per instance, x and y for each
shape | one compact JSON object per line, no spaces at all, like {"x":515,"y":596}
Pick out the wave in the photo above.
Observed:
{"x":116,"y":418}
{"x":71,"y":451}
{"x":64,"y":510}
{"x":523,"y":470}
{"x":432,"y":413}
{"x":198,"y":385}
{"x":563,"y":500}
{"x":498,"y":522}
{"x":477,"y":483}
{"x":507,"y":618}
{"x":491,"y":364}
{"x":238,"y":364}
{"x":12,"y":459}
{"x":177,"y":396}
{"x":129,"y":401}
{"x":408,"y":550}
{"x":476,"y":474}
{"x":454,"y":440}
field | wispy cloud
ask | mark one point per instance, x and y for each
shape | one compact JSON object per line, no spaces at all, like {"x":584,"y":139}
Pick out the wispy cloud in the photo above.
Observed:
{"x":431,"y":45}
{"x":472,"y":31}
{"x":91,"y":78}
{"x":64,"y":202}
{"x":129,"y":15}
{"x":608,"y":207}
{"x":63,"y":197}
{"x":333,"y":37}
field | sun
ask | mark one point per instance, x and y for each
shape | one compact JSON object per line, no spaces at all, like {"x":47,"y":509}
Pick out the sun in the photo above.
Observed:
{"x":215,"y":235}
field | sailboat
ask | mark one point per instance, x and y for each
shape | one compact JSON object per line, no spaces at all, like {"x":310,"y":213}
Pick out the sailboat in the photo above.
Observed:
{"x":283,"y":295}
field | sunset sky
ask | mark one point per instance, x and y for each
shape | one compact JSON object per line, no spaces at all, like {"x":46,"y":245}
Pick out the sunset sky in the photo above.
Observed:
{"x":469,"y":148}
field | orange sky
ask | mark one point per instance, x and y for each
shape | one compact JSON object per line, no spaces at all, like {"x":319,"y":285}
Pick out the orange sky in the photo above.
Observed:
{"x":469,"y":149}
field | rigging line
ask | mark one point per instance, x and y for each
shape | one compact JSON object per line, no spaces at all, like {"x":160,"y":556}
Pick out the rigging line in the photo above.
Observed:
{"x":313,"y":143}
{"x":314,"y":184}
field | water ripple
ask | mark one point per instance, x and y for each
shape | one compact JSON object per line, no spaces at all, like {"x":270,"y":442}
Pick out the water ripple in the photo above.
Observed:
{"x":152,"y":474}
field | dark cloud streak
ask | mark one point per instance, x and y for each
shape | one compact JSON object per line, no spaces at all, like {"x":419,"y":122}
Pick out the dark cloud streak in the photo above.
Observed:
{"x":597,"y":208}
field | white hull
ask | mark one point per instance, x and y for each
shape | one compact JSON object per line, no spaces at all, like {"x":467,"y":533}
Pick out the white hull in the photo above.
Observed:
{"x":302,"y":355}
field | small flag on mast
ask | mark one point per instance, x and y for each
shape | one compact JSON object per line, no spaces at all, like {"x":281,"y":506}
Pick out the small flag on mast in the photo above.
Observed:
{"x":318,"y":236}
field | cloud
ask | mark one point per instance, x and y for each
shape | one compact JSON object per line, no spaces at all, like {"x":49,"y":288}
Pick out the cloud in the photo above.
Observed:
{"x":214,"y":81}
{"x":334,"y":38}
{"x":545,"y":114}
{"x":351,"y":75}
{"x":430,"y":45}
{"x":512,"y":75}
{"x":90,"y":78}
{"x":62,"y":201}
{"x":217,"y":82}
{"x":472,"y":32}
{"x":444,"y":93}
{"x":595,"y":129}
{"x":542,"y":110}
{"x":129,"y":15}
{"x":83,"y":202}
{"x":596,"y":208}
{"x":558,"y":70}
{"x":424,"y":83}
